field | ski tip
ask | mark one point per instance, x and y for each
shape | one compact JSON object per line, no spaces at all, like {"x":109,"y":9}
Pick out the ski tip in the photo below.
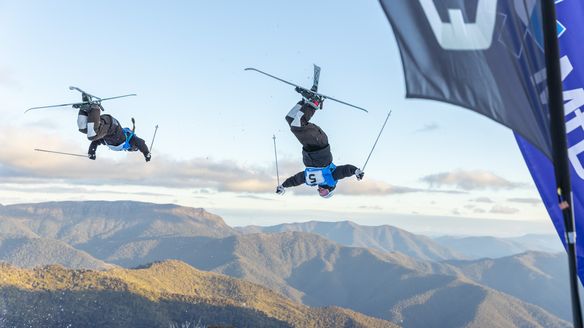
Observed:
{"x":249,"y":69}
{"x":32,"y":108}
{"x":71,"y":88}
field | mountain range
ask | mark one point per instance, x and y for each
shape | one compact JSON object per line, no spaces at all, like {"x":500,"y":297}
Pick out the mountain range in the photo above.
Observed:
{"x":387,"y":238}
{"x":383,"y":238}
{"x":424,"y":284}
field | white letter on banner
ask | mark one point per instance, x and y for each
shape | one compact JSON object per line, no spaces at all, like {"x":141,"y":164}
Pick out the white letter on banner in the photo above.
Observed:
{"x":573,"y":153}
{"x":575,"y":100}
{"x":458,"y":35}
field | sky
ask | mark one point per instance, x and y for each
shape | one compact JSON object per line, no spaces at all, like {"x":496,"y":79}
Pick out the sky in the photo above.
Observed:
{"x":213,"y":149}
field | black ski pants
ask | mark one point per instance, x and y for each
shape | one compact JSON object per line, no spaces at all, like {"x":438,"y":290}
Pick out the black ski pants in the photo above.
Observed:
{"x":310,"y":135}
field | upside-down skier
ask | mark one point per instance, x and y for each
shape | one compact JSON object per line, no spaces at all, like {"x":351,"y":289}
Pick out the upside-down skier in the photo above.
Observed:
{"x":316,"y":151}
{"x":106,"y":130}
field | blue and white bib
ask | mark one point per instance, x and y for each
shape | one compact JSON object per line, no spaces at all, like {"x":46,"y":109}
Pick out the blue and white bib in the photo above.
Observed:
{"x":315,"y":176}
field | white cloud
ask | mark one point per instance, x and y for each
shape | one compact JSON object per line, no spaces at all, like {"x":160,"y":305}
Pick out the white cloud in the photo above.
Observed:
{"x":18,"y":163}
{"x":255,"y":197}
{"x":350,"y":186}
{"x":530,"y":201}
{"x":369,"y":187}
{"x":499,"y":209}
{"x":373,"y":208}
{"x":482,"y":200}
{"x":470,"y":180}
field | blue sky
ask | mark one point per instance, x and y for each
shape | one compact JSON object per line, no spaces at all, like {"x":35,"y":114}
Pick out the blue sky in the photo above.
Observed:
{"x":185,"y":60}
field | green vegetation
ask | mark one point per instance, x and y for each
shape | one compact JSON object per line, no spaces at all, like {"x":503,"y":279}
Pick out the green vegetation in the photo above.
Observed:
{"x":160,"y":295}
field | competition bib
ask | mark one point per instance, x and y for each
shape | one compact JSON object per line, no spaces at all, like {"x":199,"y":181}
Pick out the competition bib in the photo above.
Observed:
{"x":315,"y":176}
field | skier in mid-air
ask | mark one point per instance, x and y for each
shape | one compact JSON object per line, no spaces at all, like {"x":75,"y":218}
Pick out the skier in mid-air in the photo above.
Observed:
{"x":316,"y":151}
{"x":106,"y":130}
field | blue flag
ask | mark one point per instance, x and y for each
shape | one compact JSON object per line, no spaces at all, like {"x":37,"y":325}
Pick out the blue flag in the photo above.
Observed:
{"x":570,"y":26}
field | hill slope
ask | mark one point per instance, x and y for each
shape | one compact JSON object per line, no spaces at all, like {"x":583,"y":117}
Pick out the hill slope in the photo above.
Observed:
{"x":32,"y":252}
{"x":493,"y":247}
{"x":535,"y":277}
{"x":155,"y":296}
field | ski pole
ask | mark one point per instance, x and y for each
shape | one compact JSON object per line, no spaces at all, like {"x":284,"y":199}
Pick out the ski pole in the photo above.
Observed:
{"x":60,"y":153}
{"x":154,"y":137}
{"x":376,"y":140}
{"x":276,"y":155}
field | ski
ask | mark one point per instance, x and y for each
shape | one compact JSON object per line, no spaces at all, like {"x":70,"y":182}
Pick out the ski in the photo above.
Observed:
{"x":116,"y":97}
{"x":78,"y":104}
{"x":52,"y":106}
{"x":307,"y":90}
{"x":316,"y":78}
{"x":84,"y":93}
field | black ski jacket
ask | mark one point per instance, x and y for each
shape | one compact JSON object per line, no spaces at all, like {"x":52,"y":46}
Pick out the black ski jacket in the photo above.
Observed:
{"x":317,"y":158}
{"x":341,"y":172}
{"x":115,"y":136}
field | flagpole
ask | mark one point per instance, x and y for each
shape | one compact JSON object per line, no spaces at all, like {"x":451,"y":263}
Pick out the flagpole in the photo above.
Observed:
{"x":560,"y":147}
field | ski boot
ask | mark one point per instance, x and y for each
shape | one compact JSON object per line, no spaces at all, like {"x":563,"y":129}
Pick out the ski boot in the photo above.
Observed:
{"x":86,"y":103}
{"x":311,"y":97}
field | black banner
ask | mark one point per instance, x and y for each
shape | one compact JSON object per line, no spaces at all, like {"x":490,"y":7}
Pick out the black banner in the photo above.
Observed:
{"x":480,"y":54}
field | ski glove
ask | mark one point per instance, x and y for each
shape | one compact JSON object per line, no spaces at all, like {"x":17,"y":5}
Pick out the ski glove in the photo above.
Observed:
{"x":147,"y":157}
{"x":280,"y":190}
{"x":359,"y":174}
{"x":92,"y":156}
